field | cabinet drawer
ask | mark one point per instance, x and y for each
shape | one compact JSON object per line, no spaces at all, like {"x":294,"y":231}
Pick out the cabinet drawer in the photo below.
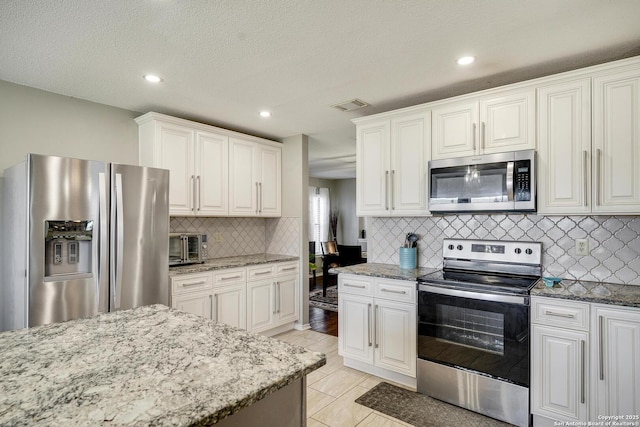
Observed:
{"x":396,"y":290}
{"x":287,"y":268}
{"x":357,"y":285}
{"x":190,"y":283}
{"x":225,"y":277}
{"x":556,"y":312}
{"x":262,"y":271}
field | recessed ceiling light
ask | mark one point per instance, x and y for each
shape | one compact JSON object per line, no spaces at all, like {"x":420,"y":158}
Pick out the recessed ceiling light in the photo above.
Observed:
{"x":152,"y":78}
{"x":466,"y":60}
{"x":265,"y":114}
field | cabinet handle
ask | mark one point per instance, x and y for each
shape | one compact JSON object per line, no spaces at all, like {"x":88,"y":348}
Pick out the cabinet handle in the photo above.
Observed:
{"x":582,"y":391}
{"x":347,"y":285}
{"x":386,"y":188}
{"x":260,"y":185}
{"x":586,"y":182}
{"x":598,"y":173}
{"x":601,"y":349}
{"x":484,"y":136}
{"x":393,"y":291}
{"x":193,"y":191}
{"x":473,"y":134}
{"x":278,"y":297}
{"x":256,"y":198}
{"x":375,"y":325}
{"x":554,"y":313}
{"x":260,"y":273}
{"x":231,"y":277}
{"x":211,"y":307}
{"x":199,"y":192}
{"x":186,"y":285}
{"x":393,"y":175}
{"x":369,"y":323}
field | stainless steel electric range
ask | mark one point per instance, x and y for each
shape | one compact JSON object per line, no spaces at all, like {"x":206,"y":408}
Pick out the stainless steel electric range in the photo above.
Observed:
{"x":473,"y":327}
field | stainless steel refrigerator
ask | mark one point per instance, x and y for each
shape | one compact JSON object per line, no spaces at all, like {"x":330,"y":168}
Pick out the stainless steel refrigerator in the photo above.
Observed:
{"x":82,"y":237}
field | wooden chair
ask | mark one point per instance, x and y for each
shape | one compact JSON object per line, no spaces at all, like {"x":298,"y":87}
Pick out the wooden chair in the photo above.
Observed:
{"x":329,"y":260}
{"x":312,"y":263}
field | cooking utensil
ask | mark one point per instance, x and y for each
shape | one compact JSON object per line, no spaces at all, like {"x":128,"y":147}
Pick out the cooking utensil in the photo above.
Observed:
{"x":412,"y":238}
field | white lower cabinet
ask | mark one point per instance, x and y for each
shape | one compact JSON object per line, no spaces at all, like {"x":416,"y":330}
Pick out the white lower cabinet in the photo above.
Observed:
{"x":584,"y":361}
{"x":261,"y":298}
{"x":377,"y":326}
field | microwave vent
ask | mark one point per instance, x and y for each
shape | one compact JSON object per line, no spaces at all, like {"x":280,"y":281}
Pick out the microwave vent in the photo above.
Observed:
{"x":350,"y":105}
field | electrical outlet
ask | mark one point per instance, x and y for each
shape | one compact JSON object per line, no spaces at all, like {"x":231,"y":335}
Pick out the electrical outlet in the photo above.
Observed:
{"x":582,"y":247}
{"x":218,"y":237}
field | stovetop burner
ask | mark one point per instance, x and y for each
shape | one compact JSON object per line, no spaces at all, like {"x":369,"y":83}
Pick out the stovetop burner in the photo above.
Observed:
{"x":488,"y":266}
{"x":478,"y":281}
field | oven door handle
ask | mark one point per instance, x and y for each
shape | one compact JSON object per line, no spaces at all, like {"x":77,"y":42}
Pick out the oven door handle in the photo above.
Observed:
{"x":510,"y":299}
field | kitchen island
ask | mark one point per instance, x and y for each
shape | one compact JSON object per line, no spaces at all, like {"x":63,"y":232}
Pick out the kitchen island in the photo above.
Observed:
{"x":149,"y":365}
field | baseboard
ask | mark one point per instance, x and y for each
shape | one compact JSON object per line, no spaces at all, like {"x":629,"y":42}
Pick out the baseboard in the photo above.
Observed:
{"x":301,"y":327}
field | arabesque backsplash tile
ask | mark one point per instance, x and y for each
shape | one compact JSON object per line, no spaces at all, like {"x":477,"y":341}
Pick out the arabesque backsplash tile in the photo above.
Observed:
{"x":614,"y":241}
{"x":243,"y":236}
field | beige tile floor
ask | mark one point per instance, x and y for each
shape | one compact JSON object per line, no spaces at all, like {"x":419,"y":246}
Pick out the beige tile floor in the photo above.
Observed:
{"x":332,"y":389}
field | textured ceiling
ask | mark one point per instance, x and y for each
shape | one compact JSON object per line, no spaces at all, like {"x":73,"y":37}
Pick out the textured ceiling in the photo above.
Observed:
{"x":223,"y":61}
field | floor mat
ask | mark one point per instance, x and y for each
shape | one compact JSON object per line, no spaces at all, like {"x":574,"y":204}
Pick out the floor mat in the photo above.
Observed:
{"x":421,"y":410}
{"x":330,"y":302}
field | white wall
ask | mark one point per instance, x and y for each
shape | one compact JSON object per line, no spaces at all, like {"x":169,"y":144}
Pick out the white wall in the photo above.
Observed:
{"x":345,"y":202}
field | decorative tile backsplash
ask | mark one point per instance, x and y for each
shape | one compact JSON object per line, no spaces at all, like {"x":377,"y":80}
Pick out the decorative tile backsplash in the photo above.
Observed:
{"x":243,"y":236}
{"x":614,"y":241}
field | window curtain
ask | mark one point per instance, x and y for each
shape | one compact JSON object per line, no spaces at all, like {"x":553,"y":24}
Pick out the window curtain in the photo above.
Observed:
{"x":319,"y":208}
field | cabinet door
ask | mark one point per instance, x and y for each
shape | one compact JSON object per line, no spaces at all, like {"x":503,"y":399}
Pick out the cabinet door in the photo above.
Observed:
{"x":507,"y":123}
{"x":395,"y":336}
{"x":455,"y":130}
{"x":270,"y":183}
{"x":372,"y":169}
{"x":229,"y":305}
{"x":175,"y":152}
{"x":287,"y":297}
{"x":564,"y":148}
{"x":410,"y":145}
{"x":243,"y":182}
{"x":559,"y":373}
{"x":355,"y":327}
{"x":260,"y":305}
{"x":211,"y":160}
{"x":198,"y":304}
{"x":616,"y":142}
{"x":616,"y":353}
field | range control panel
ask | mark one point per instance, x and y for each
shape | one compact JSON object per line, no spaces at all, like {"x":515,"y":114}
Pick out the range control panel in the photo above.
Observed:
{"x":493,"y":250}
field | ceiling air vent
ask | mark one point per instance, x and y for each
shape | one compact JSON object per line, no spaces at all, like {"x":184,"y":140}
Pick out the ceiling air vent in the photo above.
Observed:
{"x":350,"y":105}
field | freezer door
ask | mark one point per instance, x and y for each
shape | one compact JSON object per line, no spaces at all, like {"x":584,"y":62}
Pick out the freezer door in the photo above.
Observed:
{"x":68,"y":238}
{"x":139,"y":237}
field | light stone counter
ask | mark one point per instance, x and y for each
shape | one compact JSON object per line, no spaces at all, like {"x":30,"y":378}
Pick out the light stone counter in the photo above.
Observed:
{"x":230,"y":262}
{"x":150,"y":365}
{"x":596,"y":292}
{"x":387,"y":271}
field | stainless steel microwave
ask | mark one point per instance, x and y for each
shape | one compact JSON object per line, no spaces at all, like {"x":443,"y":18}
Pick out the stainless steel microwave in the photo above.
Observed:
{"x":187,"y":248}
{"x":499,"y":182}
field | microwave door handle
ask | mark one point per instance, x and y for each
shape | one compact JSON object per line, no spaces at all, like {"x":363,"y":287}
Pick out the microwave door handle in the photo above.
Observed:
{"x":510,"y":166}
{"x":185,"y":249}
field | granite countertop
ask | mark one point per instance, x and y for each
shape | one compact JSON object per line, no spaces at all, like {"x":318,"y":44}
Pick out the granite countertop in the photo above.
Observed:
{"x":387,"y":271}
{"x":230,"y":262}
{"x":149,"y":365}
{"x":597,"y":292}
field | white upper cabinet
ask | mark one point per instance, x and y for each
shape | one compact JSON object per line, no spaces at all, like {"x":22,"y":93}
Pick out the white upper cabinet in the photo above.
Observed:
{"x":495,"y":123}
{"x":391,"y":159}
{"x":616,"y":142}
{"x":589,"y":144}
{"x":255,"y":187}
{"x":564,"y":148}
{"x":209,"y":176}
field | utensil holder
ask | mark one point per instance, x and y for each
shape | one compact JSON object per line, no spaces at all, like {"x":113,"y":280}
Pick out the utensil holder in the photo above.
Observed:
{"x":408,"y":258}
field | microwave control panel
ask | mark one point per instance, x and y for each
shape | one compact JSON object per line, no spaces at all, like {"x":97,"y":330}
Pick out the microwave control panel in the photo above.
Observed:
{"x":522,"y":184}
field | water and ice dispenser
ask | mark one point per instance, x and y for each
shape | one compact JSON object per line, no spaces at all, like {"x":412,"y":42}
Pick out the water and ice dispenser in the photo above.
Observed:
{"x":67,"y":248}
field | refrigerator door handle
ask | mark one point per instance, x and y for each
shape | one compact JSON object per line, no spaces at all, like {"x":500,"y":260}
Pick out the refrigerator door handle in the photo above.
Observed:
{"x":119,"y":235}
{"x":103,"y":273}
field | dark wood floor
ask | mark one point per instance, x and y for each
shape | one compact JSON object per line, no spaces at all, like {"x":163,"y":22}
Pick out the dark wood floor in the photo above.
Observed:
{"x":323,"y":321}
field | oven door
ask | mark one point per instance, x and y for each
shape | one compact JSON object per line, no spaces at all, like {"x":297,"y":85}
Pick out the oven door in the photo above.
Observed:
{"x":480,"y":332}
